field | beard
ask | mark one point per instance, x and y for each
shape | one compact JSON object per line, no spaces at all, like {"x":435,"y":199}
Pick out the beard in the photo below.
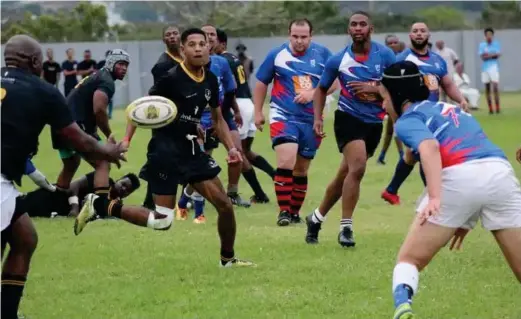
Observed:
{"x":421,"y":45}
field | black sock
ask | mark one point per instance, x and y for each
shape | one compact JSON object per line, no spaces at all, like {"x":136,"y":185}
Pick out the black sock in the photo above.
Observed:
{"x":262,"y":164}
{"x":101,"y":204}
{"x":226,"y":256}
{"x":149,"y":199}
{"x":114,"y":208}
{"x":12,"y":290}
{"x":252,"y":180}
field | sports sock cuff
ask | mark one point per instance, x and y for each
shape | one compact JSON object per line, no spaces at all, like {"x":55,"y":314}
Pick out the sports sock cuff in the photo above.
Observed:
{"x":101,"y":190}
{"x":284,"y":172}
{"x":300,"y":180}
{"x":408,"y":274}
{"x":114,"y":209}
{"x":227,"y":255}
{"x":13,"y":280}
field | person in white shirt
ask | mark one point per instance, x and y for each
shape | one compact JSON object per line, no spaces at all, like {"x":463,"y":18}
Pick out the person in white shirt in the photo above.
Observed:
{"x":450,"y":57}
{"x":462,"y":81}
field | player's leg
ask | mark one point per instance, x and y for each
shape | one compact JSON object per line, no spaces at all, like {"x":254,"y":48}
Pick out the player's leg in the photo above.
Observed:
{"x":71,"y":162}
{"x":111,"y":108}
{"x":235,"y":169}
{"x":485,"y":78}
{"x":286,"y":147}
{"x":495,"y":88}
{"x":213,"y":191}
{"x":402,"y":171}
{"x":388,"y":136}
{"x":256,"y":159}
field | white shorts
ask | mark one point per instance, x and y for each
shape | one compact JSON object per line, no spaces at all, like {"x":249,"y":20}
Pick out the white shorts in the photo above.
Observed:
{"x":8,"y":194}
{"x":248,"y":127}
{"x":490,"y":75}
{"x":486,"y":189}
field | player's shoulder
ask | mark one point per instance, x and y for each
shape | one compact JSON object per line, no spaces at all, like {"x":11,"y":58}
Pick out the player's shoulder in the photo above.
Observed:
{"x":403,"y":55}
{"x":214,"y":58}
{"x":318,"y":47}
{"x":276,"y":50}
{"x":163,"y":58}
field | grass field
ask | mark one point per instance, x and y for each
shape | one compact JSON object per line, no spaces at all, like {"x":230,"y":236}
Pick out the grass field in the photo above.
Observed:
{"x":115,"y":270}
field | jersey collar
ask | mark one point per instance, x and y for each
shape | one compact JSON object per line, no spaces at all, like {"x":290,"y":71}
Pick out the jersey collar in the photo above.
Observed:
{"x":173,"y":57}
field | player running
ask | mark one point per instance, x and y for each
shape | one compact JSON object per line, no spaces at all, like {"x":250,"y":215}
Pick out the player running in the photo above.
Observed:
{"x":393,"y":43}
{"x":358,"y":121}
{"x":28,"y":104}
{"x":247,"y":130}
{"x":434,"y":69}
{"x":468,"y":178}
{"x":295,"y":69}
{"x":174,"y":156}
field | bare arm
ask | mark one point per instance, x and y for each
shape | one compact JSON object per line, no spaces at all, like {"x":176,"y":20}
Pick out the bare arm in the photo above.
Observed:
{"x":259,"y":95}
{"x":334,"y":87}
{"x":319,"y":102}
{"x":85,"y":143}
{"x":71,"y":72}
{"x":129,"y":133}
{"x":431,"y":163}
{"x":101,"y":102}
{"x":221,"y":128}
{"x":452,"y":90}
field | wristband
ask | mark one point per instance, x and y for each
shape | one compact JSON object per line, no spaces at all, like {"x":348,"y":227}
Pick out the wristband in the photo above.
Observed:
{"x":73,"y":200}
{"x":126,"y":139}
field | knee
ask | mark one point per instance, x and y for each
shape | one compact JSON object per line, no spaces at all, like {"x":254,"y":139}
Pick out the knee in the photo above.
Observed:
{"x":223,"y":204}
{"x":357,"y":169}
{"x":409,"y":157}
{"x":418,"y":261}
{"x":27,"y":243}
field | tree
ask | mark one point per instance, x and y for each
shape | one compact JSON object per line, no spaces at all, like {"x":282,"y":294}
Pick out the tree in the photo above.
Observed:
{"x":442,"y":18}
{"x":501,"y":15}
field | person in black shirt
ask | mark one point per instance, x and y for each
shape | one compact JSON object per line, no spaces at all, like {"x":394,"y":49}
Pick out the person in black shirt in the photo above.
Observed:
{"x":246,"y":61}
{"x":87,"y":66}
{"x":69,"y":72}
{"x":247,"y":130}
{"x":51,"y":69}
{"x":174,"y":155}
{"x":101,"y":63}
{"x":28,"y":104}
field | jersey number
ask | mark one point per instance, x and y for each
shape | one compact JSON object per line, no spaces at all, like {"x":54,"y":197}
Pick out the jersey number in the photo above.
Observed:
{"x":81,"y":81}
{"x":241,"y":74}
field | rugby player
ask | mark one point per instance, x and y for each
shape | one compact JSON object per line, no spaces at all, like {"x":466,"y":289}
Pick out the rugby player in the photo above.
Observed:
{"x":89,"y":101}
{"x":174,"y":156}
{"x":37,"y":177}
{"x":490,"y":52}
{"x":167,"y":60}
{"x":28,"y":104}
{"x":468,"y":178}
{"x":434,"y":69}
{"x":295,"y":69}
{"x":247,"y":130}
{"x":358,"y":121}
{"x":393,"y":43}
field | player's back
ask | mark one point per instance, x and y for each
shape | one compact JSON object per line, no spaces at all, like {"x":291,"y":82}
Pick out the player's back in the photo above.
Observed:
{"x":28,"y":104}
{"x":431,"y":65}
{"x":80,"y":100}
{"x":291,"y":74}
{"x":243,"y":88}
{"x":460,"y":136}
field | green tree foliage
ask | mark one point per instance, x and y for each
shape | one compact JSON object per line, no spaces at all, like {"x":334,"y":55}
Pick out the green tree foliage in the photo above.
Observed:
{"x":501,"y":15}
{"x":442,"y":18}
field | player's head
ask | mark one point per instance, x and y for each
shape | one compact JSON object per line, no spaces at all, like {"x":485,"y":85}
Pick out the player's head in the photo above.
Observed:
{"x":360,"y":27}
{"x":50,"y":53}
{"x":171,"y":37}
{"x":440,"y":44}
{"x":211,"y":35}
{"x":70,"y":53}
{"x":393,"y":43}
{"x":24,"y":52}
{"x":241,"y":49}
{"x":300,"y":33}
{"x":125,"y":186}
{"x":195,"y":47}
{"x":404,"y":82}
{"x":117,"y":63}
{"x":401,"y":46}
{"x":419,"y":35}
{"x":87,"y":55}
{"x":489,"y":34}
{"x":222,"y":42}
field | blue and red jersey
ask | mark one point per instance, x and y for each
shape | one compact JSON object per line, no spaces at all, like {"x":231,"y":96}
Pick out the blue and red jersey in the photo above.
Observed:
{"x":292,"y":73}
{"x":459,"y":135}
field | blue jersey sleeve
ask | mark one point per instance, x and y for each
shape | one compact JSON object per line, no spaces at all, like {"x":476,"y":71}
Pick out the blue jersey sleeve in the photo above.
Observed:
{"x":481,"y":49}
{"x":443,"y":68}
{"x":266,"y":70}
{"x":330,"y":71}
{"x":412,"y":130}
{"x":29,"y":167}
{"x":388,"y":58}
{"x":228,"y":79}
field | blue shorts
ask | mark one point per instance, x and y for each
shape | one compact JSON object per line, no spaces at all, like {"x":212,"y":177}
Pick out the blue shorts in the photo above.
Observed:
{"x":206,"y":120}
{"x":296,"y":132}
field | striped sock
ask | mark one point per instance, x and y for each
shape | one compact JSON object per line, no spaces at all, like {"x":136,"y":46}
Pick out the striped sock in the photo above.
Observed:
{"x":283,"y":188}
{"x":12,"y":291}
{"x":346,"y":222}
{"x":298,"y":193}
{"x":317,"y":217}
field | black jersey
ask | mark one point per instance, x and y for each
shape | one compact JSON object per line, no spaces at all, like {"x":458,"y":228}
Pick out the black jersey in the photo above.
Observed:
{"x":80,"y":100}
{"x":191,"y":96}
{"x":165,"y":62}
{"x":28,"y":104}
{"x":243,"y":88}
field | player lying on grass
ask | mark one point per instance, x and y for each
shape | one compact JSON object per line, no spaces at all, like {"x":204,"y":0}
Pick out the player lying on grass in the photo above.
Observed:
{"x":45,"y":203}
{"x":468,"y":178}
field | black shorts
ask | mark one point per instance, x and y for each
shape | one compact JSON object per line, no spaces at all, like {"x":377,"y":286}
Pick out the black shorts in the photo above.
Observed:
{"x":172,"y":162}
{"x":19,"y":210}
{"x":211,"y":141}
{"x":348,"y":128}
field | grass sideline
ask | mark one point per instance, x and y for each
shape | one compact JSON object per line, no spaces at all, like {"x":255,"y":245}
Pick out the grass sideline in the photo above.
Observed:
{"x":115,"y":270}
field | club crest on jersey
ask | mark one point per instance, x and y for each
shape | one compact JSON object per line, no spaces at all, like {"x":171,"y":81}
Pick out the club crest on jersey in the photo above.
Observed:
{"x":313,"y":63}
{"x":437,"y":65}
{"x":377,"y":67}
{"x":207,"y":94}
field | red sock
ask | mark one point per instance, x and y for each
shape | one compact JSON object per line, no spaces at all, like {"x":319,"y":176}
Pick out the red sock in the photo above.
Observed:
{"x":490,"y":108}
{"x":497,"y":107}
{"x":298,"y":194}
{"x":283,"y":187}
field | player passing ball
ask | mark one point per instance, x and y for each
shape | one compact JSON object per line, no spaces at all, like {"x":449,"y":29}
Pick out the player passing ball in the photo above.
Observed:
{"x":468,"y":178}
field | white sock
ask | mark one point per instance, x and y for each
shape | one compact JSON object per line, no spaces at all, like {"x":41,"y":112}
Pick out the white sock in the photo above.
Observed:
{"x":405,"y":273}
{"x":346,"y":222}
{"x":317,"y":217}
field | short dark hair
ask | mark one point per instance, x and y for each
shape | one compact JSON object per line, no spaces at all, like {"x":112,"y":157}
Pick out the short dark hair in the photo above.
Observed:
{"x":134,"y":180}
{"x":209,"y":25}
{"x":361,"y":13}
{"x":168,"y":27}
{"x":69,"y":49}
{"x":488,"y":30}
{"x":189,"y":32}
{"x":87,"y":51}
{"x":222,"y":36}
{"x":301,"y":21}
{"x":387,"y":37}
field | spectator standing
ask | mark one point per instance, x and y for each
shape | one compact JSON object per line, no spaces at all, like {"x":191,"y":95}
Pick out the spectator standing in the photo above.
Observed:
{"x":51,"y":69}
{"x":87,"y":66}
{"x":69,"y":68}
{"x":490,"y":52}
{"x":450,"y":57}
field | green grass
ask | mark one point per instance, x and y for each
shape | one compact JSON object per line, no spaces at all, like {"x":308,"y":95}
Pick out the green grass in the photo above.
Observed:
{"x":115,"y":270}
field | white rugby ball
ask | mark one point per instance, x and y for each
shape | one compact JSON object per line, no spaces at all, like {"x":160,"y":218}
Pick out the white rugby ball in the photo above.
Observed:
{"x":151,"y":112}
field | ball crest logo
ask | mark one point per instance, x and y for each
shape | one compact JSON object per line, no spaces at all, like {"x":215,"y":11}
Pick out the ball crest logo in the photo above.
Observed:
{"x":152,"y":112}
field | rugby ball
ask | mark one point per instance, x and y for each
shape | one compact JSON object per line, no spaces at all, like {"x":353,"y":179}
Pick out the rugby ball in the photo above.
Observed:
{"x":151,"y":112}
